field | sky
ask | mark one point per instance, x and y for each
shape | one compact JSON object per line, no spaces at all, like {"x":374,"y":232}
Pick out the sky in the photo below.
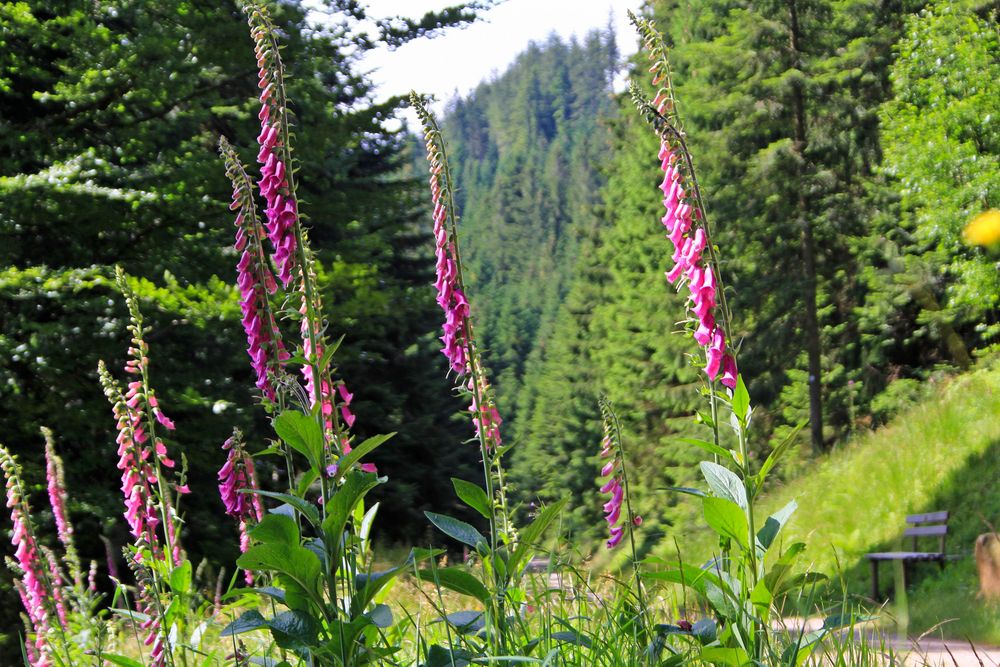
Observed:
{"x":460,"y":58}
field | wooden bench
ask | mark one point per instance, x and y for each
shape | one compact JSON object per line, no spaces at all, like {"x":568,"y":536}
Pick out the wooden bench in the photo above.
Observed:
{"x":931,"y":524}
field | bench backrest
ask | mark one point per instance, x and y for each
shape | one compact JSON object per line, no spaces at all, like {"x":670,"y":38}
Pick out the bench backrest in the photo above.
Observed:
{"x":930,"y":524}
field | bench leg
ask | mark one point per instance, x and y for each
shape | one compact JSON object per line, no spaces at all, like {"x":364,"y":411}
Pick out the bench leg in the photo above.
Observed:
{"x":874,"y":580}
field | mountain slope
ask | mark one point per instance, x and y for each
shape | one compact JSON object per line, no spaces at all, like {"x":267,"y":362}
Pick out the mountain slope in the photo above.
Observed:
{"x":526,"y":150}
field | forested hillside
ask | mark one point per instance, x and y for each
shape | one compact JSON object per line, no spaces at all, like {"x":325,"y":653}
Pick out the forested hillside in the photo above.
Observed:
{"x":819,"y":131}
{"x":528,"y":150}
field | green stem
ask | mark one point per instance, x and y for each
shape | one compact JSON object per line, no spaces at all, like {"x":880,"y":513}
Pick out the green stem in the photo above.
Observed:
{"x":631,"y":522}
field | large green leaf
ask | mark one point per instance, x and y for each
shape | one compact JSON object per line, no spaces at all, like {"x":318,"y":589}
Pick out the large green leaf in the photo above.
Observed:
{"x":302,"y":433}
{"x":297,"y":563}
{"x":456,"y":529}
{"x":472,"y":495}
{"x":761,"y":598}
{"x":727,"y":519}
{"x":341,"y":506}
{"x":251,"y":620}
{"x":456,"y":579}
{"x":347,"y":461}
{"x":685,"y":575}
{"x":782,"y":568}
{"x":741,"y":400}
{"x":777,"y":452}
{"x":303,"y":507}
{"x":439,"y":656}
{"x":709,"y":447}
{"x":724,"y":483}
{"x":731,"y":657}
{"x":119,"y":660}
{"x":276,"y":529}
{"x":180,"y":578}
{"x":774,"y":523}
{"x":294,"y":630}
{"x":531,"y":534}
{"x":380,"y":615}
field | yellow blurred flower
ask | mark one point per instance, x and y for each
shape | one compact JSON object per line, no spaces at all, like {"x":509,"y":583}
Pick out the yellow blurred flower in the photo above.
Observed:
{"x":984,"y":229}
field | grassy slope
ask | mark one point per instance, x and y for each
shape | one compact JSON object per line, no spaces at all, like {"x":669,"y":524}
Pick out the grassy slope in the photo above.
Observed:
{"x":942,"y":454}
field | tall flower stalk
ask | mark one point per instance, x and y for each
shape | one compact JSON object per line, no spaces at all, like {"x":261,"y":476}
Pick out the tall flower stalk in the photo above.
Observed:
{"x":616,"y":485}
{"x":695,"y":258}
{"x":323,"y":537}
{"x":143,"y":455}
{"x":237,"y":484}
{"x":56,"y":486}
{"x":292,"y":255}
{"x":728,"y":506}
{"x":151,"y":498}
{"x":274,"y":156}
{"x":458,"y":339}
{"x":687,"y":223}
{"x":255,"y":279}
{"x":38,"y":583}
{"x":465,"y":361}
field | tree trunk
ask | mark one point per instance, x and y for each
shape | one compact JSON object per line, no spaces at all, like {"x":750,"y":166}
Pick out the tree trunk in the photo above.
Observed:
{"x":813,"y":342}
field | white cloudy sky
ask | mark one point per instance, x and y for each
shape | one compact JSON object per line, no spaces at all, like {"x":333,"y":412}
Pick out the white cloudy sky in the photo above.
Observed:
{"x":461,"y":58}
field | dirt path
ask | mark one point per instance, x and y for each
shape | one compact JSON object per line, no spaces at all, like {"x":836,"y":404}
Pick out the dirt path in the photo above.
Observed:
{"x":925,"y":652}
{"x":946,"y":653}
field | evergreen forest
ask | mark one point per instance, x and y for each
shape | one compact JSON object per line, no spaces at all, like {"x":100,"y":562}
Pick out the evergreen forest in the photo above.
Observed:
{"x":841,"y":146}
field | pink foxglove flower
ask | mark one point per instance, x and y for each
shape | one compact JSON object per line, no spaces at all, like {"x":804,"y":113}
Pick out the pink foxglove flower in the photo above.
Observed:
{"x":235,"y":478}
{"x":690,"y":242}
{"x":613,"y":487}
{"x":275,"y":186}
{"x":254,"y":279}
{"x":36,"y":585}
{"x":451,"y":296}
{"x":457,"y":338}
{"x":143,"y":456}
{"x":684,"y":224}
{"x":137,"y":473}
{"x":56,"y":485}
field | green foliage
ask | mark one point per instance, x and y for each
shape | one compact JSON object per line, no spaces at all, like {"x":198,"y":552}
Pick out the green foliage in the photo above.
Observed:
{"x":526,"y":149}
{"x":109,"y":115}
{"x":929,"y":457}
{"x":942,"y":151}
